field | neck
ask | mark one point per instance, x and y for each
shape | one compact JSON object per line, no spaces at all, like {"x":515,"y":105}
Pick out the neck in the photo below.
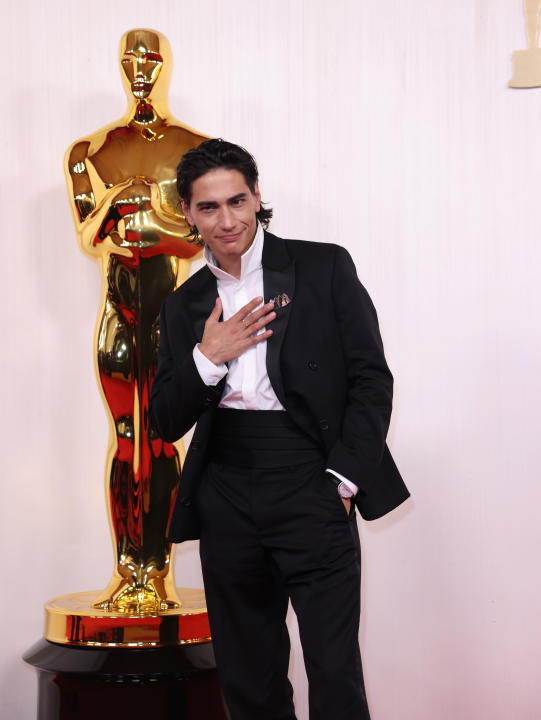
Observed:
{"x":144,"y":114}
{"x":232,"y":266}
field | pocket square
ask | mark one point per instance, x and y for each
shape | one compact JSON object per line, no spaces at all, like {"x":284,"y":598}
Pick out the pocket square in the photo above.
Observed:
{"x":281,"y":300}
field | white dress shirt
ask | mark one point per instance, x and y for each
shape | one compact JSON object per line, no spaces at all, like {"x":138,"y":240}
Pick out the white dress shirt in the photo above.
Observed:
{"x":247,"y":386}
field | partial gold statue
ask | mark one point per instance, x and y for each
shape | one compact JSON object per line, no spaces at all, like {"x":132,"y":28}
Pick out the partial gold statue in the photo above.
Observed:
{"x":122,"y":187}
{"x":527,"y":63}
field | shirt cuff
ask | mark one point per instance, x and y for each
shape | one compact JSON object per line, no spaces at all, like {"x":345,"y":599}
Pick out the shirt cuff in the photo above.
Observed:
{"x":210,"y":373}
{"x":351,"y":486}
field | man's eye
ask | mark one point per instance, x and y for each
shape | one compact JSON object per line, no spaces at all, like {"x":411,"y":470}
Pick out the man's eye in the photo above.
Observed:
{"x":238,"y":201}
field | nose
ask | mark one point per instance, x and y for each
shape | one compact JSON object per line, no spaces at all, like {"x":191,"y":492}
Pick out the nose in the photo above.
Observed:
{"x":227,"y":219}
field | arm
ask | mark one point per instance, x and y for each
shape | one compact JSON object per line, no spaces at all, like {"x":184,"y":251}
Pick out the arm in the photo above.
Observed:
{"x":90,"y":199}
{"x":137,"y":208}
{"x":357,"y":454}
{"x":346,"y":488}
{"x":178,"y":395}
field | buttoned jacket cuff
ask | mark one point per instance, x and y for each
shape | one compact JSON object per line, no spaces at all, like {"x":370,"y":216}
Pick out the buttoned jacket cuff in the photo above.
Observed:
{"x":354,"y":489}
{"x":209,"y":373}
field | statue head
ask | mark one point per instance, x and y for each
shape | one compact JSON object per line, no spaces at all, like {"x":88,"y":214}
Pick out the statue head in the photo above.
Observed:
{"x":146,"y":61}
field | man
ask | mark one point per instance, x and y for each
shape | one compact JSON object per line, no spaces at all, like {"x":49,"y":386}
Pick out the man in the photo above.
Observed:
{"x":292,"y":400}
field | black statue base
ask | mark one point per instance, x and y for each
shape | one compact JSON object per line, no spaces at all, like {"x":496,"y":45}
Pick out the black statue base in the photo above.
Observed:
{"x":164,"y":683}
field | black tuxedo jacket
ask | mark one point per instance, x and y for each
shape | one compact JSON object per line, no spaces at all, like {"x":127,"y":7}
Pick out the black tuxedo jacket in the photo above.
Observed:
{"x":325,"y":362}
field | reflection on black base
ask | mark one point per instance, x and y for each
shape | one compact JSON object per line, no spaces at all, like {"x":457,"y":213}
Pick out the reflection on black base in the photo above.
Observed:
{"x":108,"y":684}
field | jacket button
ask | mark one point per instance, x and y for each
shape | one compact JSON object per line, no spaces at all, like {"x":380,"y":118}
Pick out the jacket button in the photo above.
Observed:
{"x":208,"y":400}
{"x":312,"y":365}
{"x":323,"y":424}
{"x":185,"y":501}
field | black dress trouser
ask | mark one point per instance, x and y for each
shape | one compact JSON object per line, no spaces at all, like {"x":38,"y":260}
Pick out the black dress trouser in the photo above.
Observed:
{"x":270,"y":534}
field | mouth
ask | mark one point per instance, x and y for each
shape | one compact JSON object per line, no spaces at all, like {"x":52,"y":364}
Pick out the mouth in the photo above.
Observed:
{"x":140,"y":84}
{"x":229,"y":238}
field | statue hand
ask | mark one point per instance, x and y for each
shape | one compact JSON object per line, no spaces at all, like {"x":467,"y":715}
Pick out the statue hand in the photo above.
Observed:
{"x":117,"y":211}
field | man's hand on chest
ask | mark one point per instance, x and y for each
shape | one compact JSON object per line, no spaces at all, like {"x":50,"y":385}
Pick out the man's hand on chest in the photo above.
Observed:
{"x":225,"y":341}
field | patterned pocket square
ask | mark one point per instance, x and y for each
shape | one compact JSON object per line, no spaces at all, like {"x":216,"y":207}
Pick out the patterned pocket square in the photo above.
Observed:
{"x":281,"y":300}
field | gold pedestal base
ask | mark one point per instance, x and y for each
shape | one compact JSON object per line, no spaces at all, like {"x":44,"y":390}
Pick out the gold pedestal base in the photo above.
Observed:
{"x":71,"y":620}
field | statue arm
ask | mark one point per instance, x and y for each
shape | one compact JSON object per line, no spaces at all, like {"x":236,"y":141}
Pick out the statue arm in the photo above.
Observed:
{"x":81,"y":193}
{"x":143,"y":208}
{"x":90,"y":204}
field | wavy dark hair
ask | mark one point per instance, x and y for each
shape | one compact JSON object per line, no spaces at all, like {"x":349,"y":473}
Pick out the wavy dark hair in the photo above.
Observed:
{"x":211,"y":155}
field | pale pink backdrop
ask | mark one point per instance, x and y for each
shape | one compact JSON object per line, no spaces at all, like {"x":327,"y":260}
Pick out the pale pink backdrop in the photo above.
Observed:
{"x":386,"y":127}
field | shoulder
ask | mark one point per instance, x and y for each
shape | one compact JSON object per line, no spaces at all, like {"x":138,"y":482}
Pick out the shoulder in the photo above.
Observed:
{"x":193,"y":285}
{"x":305,"y":247}
{"x":77,"y":152}
{"x":85,"y":146}
{"x":310,"y":250}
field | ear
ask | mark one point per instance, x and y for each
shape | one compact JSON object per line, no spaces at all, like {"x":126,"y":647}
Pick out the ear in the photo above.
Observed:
{"x":186,"y":213}
{"x":257,"y":196}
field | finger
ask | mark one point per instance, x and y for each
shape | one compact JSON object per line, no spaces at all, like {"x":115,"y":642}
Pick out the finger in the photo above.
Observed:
{"x":216,"y":311}
{"x":255,"y":339}
{"x":256,"y":314}
{"x":246,"y":309}
{"x":262,"y":322}
{"x":251,"y":328}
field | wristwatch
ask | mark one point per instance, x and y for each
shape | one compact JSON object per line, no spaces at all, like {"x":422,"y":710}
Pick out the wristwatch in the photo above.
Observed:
{"x":340,"y":485}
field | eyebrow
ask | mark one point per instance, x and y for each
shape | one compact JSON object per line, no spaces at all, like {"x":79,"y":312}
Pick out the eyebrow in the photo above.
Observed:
{"x":207,"y":203}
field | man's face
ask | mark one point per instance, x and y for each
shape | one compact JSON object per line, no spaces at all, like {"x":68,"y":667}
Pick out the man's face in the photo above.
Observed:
{"x":142,"y":62}
{"x":223,"y":208}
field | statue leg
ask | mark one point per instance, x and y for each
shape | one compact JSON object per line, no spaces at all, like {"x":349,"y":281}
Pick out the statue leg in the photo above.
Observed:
{"x":142,"y":479}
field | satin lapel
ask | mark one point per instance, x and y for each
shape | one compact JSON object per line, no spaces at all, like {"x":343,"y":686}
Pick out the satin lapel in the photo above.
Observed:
{"x":200,"y":301}
{"x":275,"y":282}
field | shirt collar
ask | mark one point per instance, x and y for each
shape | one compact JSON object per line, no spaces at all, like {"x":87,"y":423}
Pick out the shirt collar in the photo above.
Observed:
{"x":250,"y":260}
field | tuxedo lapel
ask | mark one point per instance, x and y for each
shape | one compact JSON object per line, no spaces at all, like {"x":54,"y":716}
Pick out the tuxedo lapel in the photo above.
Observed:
{"x":278,"y":279}
{"x":201,"y":300}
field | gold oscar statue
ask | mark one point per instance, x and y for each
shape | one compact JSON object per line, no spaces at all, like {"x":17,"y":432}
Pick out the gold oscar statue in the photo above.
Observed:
{"x":122,"y":188}
{"x":527,"y":63}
